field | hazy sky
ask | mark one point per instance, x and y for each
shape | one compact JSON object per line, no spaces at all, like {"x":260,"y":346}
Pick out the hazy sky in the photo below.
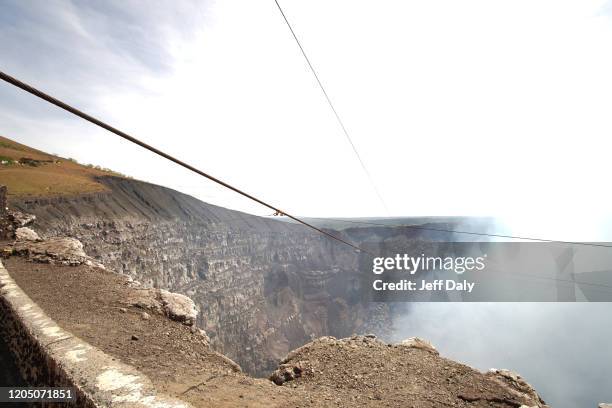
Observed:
{"x":458,"y":108}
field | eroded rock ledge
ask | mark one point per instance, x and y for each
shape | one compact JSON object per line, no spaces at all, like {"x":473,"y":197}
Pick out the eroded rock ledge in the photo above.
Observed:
{"x":69,"y":252}
{"x":369,"y":372}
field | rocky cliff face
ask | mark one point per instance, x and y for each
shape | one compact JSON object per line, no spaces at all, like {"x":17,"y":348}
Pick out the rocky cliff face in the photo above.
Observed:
{"x":263,"y":287}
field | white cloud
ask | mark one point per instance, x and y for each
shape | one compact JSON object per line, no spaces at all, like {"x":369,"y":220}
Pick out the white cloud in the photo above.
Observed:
{"x":474,"y":107}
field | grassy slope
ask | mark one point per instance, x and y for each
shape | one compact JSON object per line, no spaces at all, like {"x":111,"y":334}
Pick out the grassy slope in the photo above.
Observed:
{"x":63,"y":177}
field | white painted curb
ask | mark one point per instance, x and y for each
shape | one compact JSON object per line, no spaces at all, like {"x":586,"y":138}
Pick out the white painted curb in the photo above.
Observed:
{"x":100,"y":381}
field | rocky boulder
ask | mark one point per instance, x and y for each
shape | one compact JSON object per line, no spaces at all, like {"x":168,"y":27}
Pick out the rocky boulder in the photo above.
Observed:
{"x":11,"y":220}
{"x":60,"y":251}
{"x":416,"y":342}
{"x":26,"y":234}
{"x":518,"y":385}
{"x":289,"y":372}
{"x":144,"y":298}
{"x":175,"y":306}
{"x":178,"y":307}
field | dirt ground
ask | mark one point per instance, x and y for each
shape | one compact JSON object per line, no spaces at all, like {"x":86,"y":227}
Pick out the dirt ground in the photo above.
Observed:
{"x":359,"y":372}
{"x":88,"y":302}
{"x":364,"y":371}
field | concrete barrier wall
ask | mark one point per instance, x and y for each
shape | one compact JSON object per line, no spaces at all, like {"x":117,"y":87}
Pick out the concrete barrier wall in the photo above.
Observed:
{"x":47,"y":355}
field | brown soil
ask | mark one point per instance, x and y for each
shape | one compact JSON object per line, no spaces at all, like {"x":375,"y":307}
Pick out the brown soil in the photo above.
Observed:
{"x":333,"y":373}
{"x":88,"y":301}
{"x":364,"y":371}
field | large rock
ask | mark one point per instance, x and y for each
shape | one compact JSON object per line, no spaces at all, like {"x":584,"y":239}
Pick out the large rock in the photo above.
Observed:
{"x":144,"y":298}
{"x":418,"y":343}
{"x":289,"y":372}
{"x":66,"y":251}
{"x":63,"y":247}
{"x":178,"y":307}
{"x":173,"y":305}
{"x":26,"y":234}
{"x":518,"y":385}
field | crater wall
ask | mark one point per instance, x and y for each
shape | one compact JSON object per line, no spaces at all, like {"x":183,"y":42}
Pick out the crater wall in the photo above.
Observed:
{"x":263,"y":287}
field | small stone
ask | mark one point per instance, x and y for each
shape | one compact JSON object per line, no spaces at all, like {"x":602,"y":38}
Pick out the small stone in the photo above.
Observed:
{"x":134,"y":337}
{"x":145,"y":316}
{"x":123,"y":310}
{"x":418,"y":343}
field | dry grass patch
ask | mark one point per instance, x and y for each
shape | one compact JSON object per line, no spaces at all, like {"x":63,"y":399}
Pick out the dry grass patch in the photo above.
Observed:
{"x":52,"y":176}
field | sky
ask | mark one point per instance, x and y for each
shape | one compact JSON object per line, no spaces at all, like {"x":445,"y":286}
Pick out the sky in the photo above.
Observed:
{"x":477,"y":107}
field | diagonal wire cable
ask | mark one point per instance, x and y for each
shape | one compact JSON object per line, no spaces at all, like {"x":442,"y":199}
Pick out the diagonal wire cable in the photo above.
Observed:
{"x":28,"y":88}
{"x":331,"y":105}
{"x":22,"y":85}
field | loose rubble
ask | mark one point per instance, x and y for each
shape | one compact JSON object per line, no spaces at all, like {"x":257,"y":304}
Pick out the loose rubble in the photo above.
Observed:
{"x":11,"y":220}
{"x":28,"y":244}
{"x":365,"y":371}
{"x":20,"y":219}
